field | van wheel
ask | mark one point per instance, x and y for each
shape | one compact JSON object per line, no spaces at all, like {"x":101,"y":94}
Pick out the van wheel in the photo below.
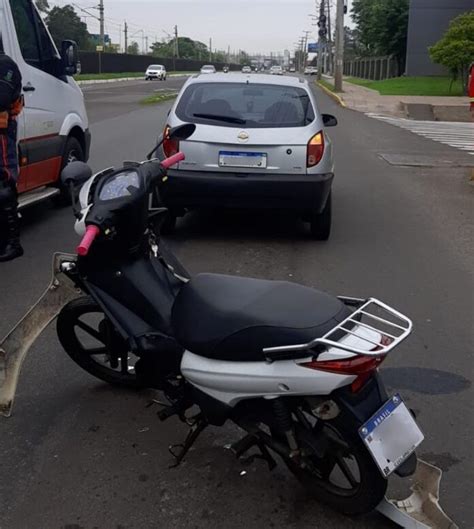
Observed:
{"x":320,"y":223}
{"x":73,"y":152}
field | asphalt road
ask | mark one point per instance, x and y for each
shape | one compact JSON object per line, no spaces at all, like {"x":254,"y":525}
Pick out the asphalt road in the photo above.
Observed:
{"x":78,"y":454}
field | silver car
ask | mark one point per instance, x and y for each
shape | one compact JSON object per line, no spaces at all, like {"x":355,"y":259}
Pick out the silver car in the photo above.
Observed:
{"x":259,"y":143}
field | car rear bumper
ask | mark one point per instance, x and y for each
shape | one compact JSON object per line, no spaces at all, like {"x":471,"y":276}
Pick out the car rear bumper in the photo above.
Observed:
{"x":197,"y":189}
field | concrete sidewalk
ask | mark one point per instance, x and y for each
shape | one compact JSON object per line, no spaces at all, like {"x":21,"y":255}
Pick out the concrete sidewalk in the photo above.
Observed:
{"x":431,"y":108}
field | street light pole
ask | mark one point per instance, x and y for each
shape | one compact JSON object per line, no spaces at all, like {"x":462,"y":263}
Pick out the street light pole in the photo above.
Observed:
{"x":339,"y":46}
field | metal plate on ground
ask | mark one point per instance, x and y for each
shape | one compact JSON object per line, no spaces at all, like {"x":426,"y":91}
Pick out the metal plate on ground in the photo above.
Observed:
{"x":420,"y":160}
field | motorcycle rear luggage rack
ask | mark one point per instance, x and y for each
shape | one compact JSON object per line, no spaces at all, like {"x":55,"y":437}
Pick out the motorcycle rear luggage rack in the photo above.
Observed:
{"x":370,"y":315}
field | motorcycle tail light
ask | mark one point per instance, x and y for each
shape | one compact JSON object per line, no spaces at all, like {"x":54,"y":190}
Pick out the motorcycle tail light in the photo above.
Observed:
{"x":361,"y":366}
{"x":355,"y":365}
{"x":170,"y":147}
{"x":315,"y":149}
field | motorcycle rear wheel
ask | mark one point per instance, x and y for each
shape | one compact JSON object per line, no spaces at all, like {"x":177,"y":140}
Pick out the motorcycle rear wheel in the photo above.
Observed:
{"x":347,"y":461}
{"x":85,"y":334}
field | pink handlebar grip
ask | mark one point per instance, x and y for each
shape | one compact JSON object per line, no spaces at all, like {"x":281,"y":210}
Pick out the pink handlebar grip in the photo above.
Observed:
{"x":91,"y":233}
{"x":172,"y":160}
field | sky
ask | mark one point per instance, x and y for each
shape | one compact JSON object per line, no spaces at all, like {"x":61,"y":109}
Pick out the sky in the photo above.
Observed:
{"x":256,"y":26}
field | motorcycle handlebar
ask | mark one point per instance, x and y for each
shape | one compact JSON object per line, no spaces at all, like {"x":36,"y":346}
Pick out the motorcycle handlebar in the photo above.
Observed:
{"x":172,"y":160}
{"x":89,"y":237}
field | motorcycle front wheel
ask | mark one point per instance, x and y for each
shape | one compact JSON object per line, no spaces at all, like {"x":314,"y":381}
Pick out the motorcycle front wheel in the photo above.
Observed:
{"x":347,"y":478}
{"x":90,"y":339}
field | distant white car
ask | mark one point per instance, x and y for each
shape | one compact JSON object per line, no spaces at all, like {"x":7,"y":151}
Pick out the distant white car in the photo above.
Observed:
{"x":155,"y":71}
{"x":208,"y":68}
{"x":310,"y":70}
{"x":276,"y":70}
{"x":246,"y":69}
{"x":292,"y":69}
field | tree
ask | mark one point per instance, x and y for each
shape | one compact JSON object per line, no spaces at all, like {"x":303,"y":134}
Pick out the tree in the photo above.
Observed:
{"x":64,"y":23}
{"x":455,"y":50}
{"x":188,"y":49}
{"x":382,"y":28}
{"x":133,"y":48}
{"x":42,"y":5}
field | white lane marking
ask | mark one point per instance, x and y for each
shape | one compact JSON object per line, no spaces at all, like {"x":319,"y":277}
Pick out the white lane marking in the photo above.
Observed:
{"x":458,"y":135}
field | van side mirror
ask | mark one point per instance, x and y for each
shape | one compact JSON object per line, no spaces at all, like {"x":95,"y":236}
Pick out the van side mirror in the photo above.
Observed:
{"x":329,"y":120}
{"x":69,"y":57}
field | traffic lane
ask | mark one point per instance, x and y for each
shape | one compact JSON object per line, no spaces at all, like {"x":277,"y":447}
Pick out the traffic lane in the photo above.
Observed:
{"x":96,"y":442}
{"x":108,"y":100}
{"x":400,"y":234}
{"x":255,"y":245}
{"x":50,"y":383}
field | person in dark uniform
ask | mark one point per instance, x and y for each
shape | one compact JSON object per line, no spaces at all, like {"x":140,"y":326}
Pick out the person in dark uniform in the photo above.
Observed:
{"x":11,"y":104}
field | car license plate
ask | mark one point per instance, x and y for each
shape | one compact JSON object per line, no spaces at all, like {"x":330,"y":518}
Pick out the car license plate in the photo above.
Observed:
{"x":255,"y":160}
{"x":391,"y":435}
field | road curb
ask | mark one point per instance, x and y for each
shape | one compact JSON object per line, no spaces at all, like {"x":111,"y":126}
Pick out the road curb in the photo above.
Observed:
{"x":332,"y":95}
{"x":121,"y":79}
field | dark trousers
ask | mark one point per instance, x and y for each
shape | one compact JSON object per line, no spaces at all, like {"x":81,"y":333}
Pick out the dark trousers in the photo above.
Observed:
{"x":9,"y":170}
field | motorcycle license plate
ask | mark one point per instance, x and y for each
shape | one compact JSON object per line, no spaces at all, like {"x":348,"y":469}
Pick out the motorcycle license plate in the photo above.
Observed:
{"x":391,"y":435}
{"x":256,"y":160}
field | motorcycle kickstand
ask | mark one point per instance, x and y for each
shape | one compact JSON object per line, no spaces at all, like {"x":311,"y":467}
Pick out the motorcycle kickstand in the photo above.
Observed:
{"x":199,"y":425}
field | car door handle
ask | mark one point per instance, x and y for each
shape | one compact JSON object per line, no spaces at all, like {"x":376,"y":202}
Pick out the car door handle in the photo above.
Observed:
{"x":29,"y":88}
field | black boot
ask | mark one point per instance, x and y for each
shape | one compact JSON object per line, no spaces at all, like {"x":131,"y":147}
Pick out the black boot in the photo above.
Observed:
{"x":10,"y":247}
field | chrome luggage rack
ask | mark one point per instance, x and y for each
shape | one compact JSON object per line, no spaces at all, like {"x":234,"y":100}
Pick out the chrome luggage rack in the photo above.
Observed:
{"x":370,"y":316}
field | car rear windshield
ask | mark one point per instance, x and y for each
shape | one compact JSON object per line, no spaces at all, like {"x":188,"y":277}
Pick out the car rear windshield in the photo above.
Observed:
{"x":155,"y":67}
{"x":252,"y":106}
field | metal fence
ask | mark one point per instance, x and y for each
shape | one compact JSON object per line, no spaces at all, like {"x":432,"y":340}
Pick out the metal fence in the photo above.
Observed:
{"x":374,"y":68}
{"x":94,"y":62}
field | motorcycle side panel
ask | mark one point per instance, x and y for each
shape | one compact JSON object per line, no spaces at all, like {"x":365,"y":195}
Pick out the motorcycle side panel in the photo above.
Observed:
{"x":15,"y":346}
{"x":231,"y":382}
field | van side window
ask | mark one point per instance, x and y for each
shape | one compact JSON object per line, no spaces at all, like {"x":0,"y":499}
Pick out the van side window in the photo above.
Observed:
{"x":35,"y":44}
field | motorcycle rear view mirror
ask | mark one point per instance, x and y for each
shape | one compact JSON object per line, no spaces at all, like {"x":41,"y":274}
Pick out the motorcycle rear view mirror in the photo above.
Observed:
{"x":179,"y":133}
{"x":76,"y":173}
{"x":73,"y":176}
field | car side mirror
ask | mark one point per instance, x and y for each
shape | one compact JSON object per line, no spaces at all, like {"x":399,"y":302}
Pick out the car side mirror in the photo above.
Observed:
{"x":69,"y":57}
{"x":75,"y":173}
{"x":329,"y":120}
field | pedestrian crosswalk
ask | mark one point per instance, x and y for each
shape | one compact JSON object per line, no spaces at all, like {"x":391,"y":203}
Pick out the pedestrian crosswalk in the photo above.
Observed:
{"x":455,"y":134}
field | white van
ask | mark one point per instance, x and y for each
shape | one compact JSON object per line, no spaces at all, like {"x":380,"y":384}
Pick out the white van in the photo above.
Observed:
{"x":53,"y":128}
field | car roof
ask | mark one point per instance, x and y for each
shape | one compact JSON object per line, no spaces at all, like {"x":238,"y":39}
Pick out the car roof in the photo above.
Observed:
{"x":156,"y":66}
{"x":249,"y":79}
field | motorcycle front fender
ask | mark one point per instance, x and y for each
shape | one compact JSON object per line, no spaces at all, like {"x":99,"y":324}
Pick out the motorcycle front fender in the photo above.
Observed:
{"x":15,"y":346}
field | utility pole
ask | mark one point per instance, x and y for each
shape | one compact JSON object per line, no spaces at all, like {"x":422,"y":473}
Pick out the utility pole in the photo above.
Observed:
{"x":146,"y":44}
{"x":339,"y":66}
{"x":101,"y":20}
{"x":210,"y":50}
{"x":305,"y":49}
{"x":329,"y":39}
{"x":125,"y":30}
{"x":176,"y":42}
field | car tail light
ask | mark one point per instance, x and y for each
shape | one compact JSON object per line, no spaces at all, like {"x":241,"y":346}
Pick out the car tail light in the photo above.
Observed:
{"x":170,"y":147}
{"x":315,"y":149}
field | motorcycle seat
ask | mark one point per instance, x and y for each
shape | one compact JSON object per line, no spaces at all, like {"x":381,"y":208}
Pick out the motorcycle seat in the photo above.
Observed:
{"x":235,"y":318}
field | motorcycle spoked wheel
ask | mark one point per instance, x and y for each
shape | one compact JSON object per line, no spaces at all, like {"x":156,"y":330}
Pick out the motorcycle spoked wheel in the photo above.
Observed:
{"x":347,"y":478}
{"x":85,"y":334}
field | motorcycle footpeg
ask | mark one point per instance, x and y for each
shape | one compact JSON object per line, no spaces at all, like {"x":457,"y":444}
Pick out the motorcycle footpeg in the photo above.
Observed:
{"x":245,"y":444}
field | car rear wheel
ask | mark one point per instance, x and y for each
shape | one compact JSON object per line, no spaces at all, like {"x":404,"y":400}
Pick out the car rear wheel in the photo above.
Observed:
{"x":320,"y":223}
